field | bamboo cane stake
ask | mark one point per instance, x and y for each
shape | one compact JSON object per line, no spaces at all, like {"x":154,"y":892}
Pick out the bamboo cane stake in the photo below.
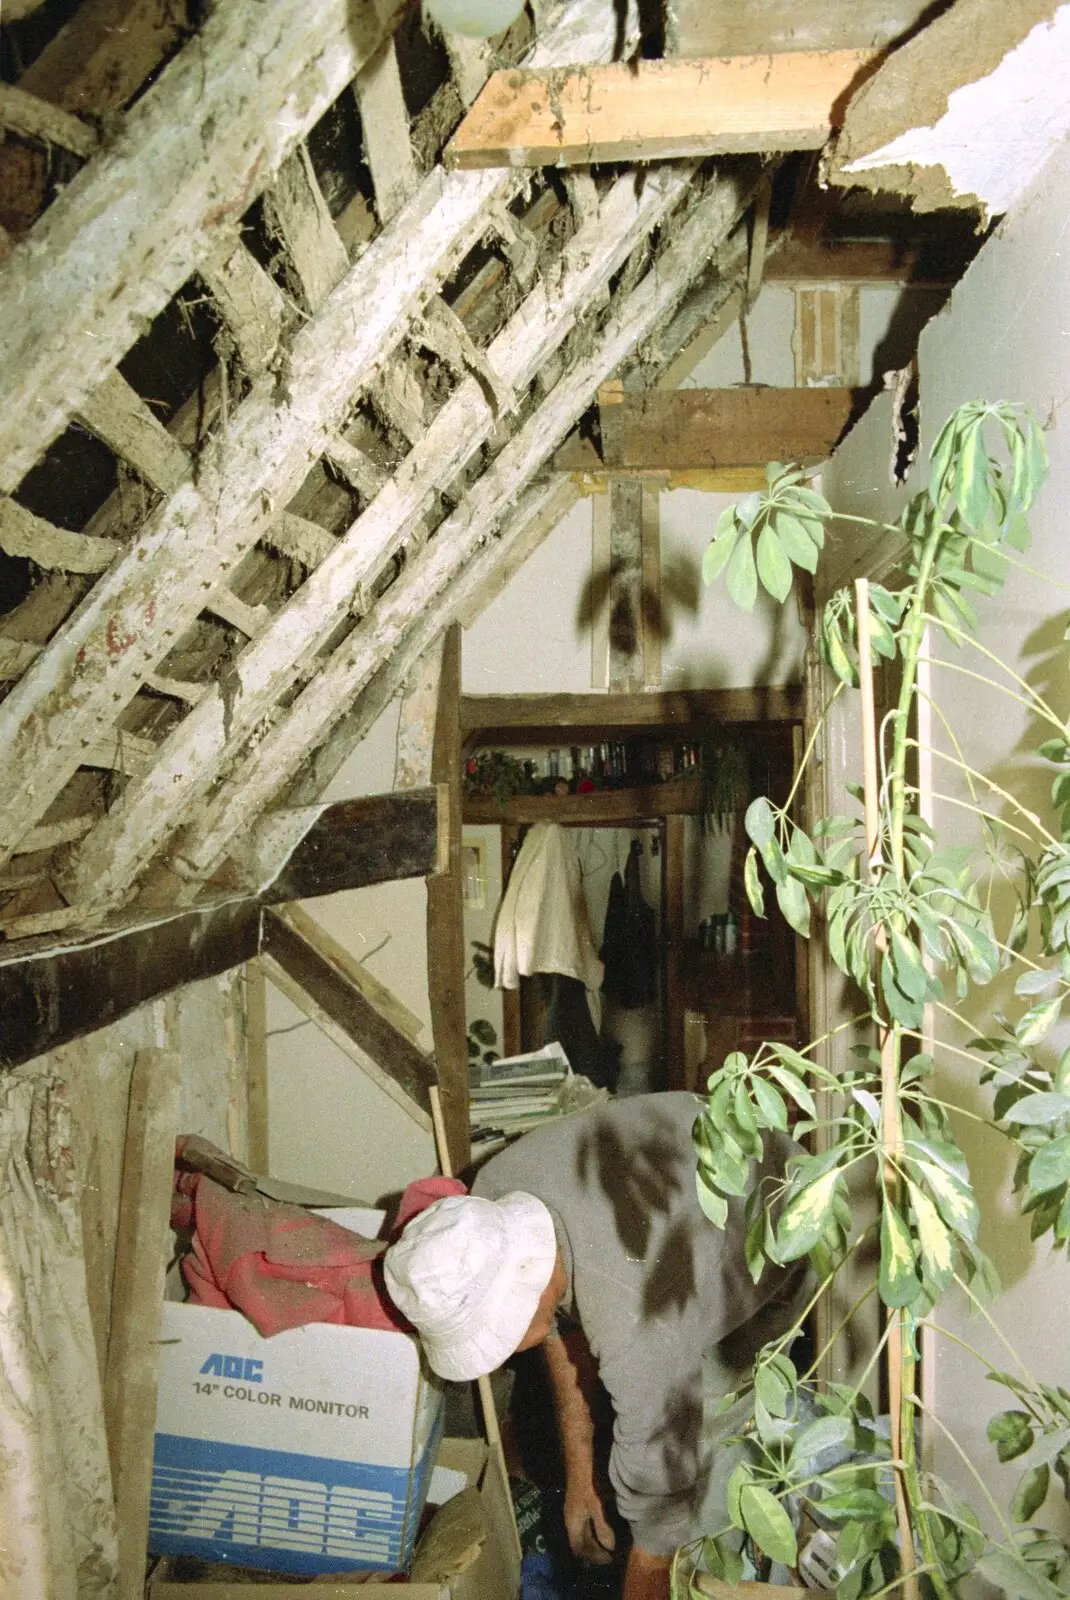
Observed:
{"x":486,"y":1393}
{"x":890,"y":1131}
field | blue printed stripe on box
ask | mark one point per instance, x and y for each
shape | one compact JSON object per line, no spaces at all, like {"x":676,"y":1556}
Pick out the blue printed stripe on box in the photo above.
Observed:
{"x":272,"y":1509}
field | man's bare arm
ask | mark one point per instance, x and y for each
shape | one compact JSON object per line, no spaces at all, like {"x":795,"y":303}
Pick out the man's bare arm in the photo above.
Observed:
{"x":573,"y":1374}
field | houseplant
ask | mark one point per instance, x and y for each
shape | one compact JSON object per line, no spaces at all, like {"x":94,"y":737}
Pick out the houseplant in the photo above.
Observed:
{"x":909,"y":921}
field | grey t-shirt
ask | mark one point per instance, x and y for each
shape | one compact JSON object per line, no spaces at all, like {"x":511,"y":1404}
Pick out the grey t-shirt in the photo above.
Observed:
{"x":651,"y":1282}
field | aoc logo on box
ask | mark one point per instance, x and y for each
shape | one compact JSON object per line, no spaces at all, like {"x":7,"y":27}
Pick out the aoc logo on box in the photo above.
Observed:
{"x":223,"y":1366}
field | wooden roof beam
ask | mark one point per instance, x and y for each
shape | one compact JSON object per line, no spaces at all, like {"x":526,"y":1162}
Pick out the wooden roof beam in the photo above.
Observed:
{"x":33,"y":118}
{"x":205,"y":528}
{"x":255,"y":778}
{"x":53,"y":993}
{"x":639,"y":111}
{"x":119,"y":633}
{"x":512,"y":717}
{"x":296,"y":209}
{"x":384,"y":121}
{"x":538,"y":510}
{"x":250,"y":302}
{"x":24,"y":534}
{"x":93,"y":65}
{"x":126,"y":234}
{"x":215,"y":730}
{"x":686,"y":429}
{"x":116,"y":413}
{"x":327,"y":994}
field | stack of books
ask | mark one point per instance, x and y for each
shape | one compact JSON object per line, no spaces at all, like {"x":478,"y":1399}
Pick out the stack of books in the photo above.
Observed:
{"x":515,"y":1093}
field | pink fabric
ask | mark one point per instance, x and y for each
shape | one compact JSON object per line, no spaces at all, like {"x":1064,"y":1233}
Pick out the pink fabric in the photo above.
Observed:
{"x":284,"y":1266}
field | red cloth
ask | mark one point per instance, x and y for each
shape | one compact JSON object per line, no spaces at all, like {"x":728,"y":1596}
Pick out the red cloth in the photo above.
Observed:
{"x":284,"y":1266}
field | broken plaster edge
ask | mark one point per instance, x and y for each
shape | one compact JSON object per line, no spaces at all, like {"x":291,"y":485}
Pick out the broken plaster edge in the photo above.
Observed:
{"x":1028,"y":91}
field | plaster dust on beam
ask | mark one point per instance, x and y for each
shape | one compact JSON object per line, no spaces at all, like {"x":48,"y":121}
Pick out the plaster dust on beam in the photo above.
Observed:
{"x":384,"y":121}
{"x":256,"y":777}
{"x":193,"y":154}
{"x":250,"y":302}
{"x":96,"y":663}
{"x":193,"y":754}
{"x":116,"y":413}
{"x":538,"y":511}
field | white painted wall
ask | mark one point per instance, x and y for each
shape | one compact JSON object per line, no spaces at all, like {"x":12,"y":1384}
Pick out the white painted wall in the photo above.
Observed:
{"x":1006,"y":335}
{"x":329,"y":1124}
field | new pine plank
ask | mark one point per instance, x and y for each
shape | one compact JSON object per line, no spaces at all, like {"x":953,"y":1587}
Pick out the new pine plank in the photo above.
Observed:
{"x":656,"y":109}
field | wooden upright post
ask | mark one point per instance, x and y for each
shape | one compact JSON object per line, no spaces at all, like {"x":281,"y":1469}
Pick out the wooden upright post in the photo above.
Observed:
{"x":141,"y":1252}
{"x":445,"y":916}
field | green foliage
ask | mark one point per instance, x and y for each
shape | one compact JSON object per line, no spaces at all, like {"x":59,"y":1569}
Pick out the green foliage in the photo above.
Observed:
{"x":725,"y":773}
{"x":910,"y":922}
{"x":762,"y":538}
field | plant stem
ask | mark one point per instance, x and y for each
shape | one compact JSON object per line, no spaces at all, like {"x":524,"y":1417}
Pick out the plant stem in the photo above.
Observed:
{"x":898,"y":1360}
{"x":1004,"y":794}
{"x":1035,"y":700}
{"x":990,"y":816}
{"x":819,"y":723}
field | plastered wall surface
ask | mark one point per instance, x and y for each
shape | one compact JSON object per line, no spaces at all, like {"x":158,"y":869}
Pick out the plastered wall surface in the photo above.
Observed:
{"x":204,"y":1024}
{"x":534,"y":638}
{"x":329,"y":1124}
{"x":1006,"y":335}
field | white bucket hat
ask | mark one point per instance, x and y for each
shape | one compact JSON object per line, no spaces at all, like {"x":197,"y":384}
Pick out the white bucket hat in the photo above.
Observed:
{"x":468,"y":1273}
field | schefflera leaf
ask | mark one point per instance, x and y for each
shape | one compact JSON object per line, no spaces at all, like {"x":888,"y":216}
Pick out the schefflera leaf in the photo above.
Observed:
{"x":763,"y":537}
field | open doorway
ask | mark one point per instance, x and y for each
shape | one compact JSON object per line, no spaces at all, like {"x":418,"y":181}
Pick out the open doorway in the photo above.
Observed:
{"x":722,"y":979}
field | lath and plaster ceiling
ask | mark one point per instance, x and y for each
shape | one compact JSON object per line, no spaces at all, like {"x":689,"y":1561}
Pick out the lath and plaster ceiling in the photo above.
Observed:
{"x":279,"y":397}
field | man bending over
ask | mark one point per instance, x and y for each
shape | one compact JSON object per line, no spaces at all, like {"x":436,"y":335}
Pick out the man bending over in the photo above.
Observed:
{"x":586,"y":1237}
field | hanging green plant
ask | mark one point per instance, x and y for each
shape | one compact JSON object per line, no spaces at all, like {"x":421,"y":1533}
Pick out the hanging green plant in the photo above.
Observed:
{"x":725,"y":774}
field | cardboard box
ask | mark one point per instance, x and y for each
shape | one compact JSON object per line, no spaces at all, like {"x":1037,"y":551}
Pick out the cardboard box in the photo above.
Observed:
{"x":495,"y":1575}
{"x":309,"y":1452}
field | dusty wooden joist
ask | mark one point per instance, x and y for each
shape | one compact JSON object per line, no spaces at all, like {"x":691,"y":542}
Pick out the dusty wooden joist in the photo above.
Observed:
{"x":221,"y":722}
{"x":120,"y":634}
{"x":446,"y":945}
{"x":194,"y":153}
{"x":92,"y":66}
{"x":644,"y":110}
{"x":538,"y":510}
{"x":341,"y":1008}
{"x":476,"y":582}
{"x":25,"y":114}
{"x":61,"y":992}
{"x":694,"y":428}
{"x":54,"y":992}
{"x":24,"y":534}
{"x":650,"y":802}
{"x":260,"y":774}
{"x":516,"y":719}
{"x":352,"y":843}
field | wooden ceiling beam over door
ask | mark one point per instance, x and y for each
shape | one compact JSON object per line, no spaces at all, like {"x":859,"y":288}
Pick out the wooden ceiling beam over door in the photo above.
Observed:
{"x":567,"y":718}
{"x":656,"y":109}
{"x":678,"y":430}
